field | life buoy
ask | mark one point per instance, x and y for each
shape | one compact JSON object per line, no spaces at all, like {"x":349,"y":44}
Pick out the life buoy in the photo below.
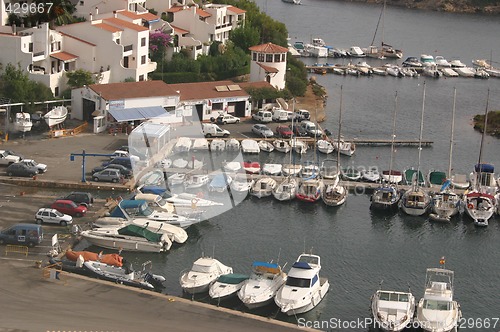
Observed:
{"x":194,"y":201}
{"x":470,"y":206}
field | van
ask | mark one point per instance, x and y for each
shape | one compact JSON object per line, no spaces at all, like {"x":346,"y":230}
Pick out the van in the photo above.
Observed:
{"x":22,"y":234}
{"x":311,"y":129}
{"x":213,"y":130}
{"x":263,"y":116}
{"x":279,"y":115}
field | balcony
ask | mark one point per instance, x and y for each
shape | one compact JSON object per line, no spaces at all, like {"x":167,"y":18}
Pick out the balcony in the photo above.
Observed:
{"x":127,"y":50}
{"x":38,"y":56}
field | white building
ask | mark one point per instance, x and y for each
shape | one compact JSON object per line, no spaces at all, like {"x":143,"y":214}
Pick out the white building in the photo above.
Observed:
{"x":268,"y":63}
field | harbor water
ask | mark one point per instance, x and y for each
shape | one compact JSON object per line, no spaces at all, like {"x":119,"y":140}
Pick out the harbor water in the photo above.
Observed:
{"x":358,"y":247}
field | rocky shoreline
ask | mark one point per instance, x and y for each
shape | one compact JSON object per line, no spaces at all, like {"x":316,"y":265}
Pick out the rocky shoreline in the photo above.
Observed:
{"x":451,"y":6}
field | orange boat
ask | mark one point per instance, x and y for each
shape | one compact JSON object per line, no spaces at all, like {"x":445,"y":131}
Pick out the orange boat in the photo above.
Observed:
{"x":110,"y":259}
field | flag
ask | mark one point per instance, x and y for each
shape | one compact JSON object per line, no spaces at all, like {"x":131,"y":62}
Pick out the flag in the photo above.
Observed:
{"x":442,"y":261}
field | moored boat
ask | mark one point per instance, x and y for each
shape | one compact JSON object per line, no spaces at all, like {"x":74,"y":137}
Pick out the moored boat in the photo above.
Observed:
{"x":22,"y":122}
{"x":286,"y":189}
{"x":56,"y":116}
{"x":249,"y":146}
{"x":227,"y":285}
{"x":392,"y":310}
{"x":263,"y":187}
{"x":203,"y":273}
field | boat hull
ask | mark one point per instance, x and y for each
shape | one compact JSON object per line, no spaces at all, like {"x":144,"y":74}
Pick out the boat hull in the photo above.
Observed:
{"x":301,"y":307}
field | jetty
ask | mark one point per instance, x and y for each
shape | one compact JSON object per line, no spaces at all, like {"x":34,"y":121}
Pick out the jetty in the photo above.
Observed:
{"x":358,"y":141}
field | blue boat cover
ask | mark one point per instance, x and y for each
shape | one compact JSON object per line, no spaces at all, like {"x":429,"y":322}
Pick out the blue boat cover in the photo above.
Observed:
{"x":157,"y":190}
{"x":302,"y":265}
{"x":265,"y":264}
{"x":386,"y":189}
{"x":486,"y":168}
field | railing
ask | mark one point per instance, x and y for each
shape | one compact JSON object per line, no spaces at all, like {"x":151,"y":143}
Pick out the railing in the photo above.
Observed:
{"x":16,"y":249}
{"x":68,"y":132}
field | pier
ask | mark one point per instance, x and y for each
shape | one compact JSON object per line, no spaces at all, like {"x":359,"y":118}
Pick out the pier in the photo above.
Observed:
{"x":357,"y":141}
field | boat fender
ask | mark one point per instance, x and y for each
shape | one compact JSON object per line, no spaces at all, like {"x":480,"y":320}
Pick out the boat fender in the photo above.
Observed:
{"x":194,"y":201}
{"x":470,"y":206}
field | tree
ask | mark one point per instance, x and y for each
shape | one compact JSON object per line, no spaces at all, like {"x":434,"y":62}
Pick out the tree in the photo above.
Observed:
{"x":158,"y":43}
{"x":79,"y":78}
{"x":245,"y":37}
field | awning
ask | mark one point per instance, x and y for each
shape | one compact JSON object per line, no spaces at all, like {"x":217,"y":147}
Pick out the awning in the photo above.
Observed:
{"x":64,"y":56}
{"x":137,"y":113}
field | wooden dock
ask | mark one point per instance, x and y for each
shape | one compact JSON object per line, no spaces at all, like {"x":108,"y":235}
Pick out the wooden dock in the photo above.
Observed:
{"x":358,"y":141}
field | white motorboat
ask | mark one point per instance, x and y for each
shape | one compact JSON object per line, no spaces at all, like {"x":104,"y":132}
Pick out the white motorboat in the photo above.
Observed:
{"x":217,"y":145}
{"x":356,"y":52}
{"x":249,"y":146}
{"x":409,"y":72}
{"x":304,"y":288}
{"x":437,"y":310}
{"x":464,"y":71}
{"x":432,"y":71}
{"x":183,"y":144}
{"x":232,"y":166}
{"x":263,"y":187}
{"x":193,"y":181}
{"x":241,"y":183}
{"x":220,"y":183}
{"x":393,"y":70}
{"x":22,"y":122}
{"x":227,"y":286}
{"x":180,"y":163}
{"x":324,"y":146}
{"x":379,"y":71}
{"x":176,"y":179}
{"x":259,"y":290}
{"x":295,"y":2}
{"x":291,"y":169}
{"x":286,"y":189}
{"x":457,"y":64}
{"x":266,"y":146}
{"x":391,"y":310}
{"x":481,"y":73}
{"x":310,"y":190}
{"x":334,"y":194}
{"x":200,"y":144}
{"x":442,"y":62}
{"x":56,"y":116}
{"x":427,"y":60}
{"x":128,"y":238}
{"x":309,"y":170}
{"x":479,"y":206}
{"x":385,"y":198}
{"x":203,"y":273}
{"x":346,"y":148}
{"x":371,"y":174}
{"x":299,"y":146}
{"x":272,"y":169}
{"x":448,"y":72}
{"x":251,"y":167}
{"x":281,"y":145}
{"x":392,"y":176}
{"x":233,"y":145}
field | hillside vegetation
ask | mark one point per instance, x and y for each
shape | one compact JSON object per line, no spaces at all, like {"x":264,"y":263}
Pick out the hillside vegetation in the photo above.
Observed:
{"x":456,"y":6}
{"x":493,"y":127}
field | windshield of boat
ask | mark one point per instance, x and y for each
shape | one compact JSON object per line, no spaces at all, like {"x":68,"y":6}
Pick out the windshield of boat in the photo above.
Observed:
{"x":146,"y":210}
{"x":161,"y":202}
{"x":298,"y":282}
{"x":203,"y":268}
{"x":437,"y":305}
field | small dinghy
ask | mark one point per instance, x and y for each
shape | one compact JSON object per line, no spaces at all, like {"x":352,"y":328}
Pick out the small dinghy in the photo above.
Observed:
{"x":56,"y":116}
{"x":233,"y":145}
{"x":266,"y":146}
{"x":217,"y":145}
{"x":251,"y":167}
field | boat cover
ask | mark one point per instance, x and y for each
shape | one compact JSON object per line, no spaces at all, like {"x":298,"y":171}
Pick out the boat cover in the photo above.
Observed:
{"x":437,"y":177}
{"x":486,"y":168}
{"x":135,"y":230}
{"x":302,"y":265}
{"x":110,"y":259}
{"x":232,"y":278}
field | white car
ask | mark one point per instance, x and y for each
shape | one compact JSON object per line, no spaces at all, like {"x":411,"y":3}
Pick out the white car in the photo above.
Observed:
{"x":227,"y":118}
{"x":119,"y":153}
{"x":262,"y":130}
{"x":42,"y":168}
{"x":52,"y":216}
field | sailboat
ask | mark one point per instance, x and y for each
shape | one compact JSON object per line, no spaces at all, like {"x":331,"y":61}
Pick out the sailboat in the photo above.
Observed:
{"x":23,"y":123}
{"x":446,"y":202}
{"x":480,"y":202}
{"x":416,"y":201}
{"x":286,"y":190}
{"x":387,"y":196}
{"x":334,"y":194}
{"x":385,"y":50}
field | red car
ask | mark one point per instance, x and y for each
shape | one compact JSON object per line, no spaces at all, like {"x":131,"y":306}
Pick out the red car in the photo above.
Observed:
{"x":284,"y":132}
{"x":69,"y":207}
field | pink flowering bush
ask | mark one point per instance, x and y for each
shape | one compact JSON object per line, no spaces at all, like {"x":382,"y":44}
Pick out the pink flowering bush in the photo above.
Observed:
{"x":158,"y":43}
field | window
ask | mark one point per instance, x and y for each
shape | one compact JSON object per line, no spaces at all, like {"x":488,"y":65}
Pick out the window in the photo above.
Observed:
{"x":117,"y":41}
{"x":277,"y":58}
{"x":283,"y":57}
{"x":30,"y":47}
{"x":143,"y":41}
{"x":141,"y":78}
{"x":143,"y":60}
{"x":261,"y":57}
{"x":254,"y":56}
{"x":269,"y":58}
{"x":56,"y":91}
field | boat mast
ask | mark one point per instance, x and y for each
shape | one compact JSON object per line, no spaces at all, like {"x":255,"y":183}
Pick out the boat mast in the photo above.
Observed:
{"x":478,"y":177}
{"x":420,"y":138}
{"x":338,"y":138}
{"x":393,"y":134}
{"x":452,"y":130}
{"x":383,"y":21}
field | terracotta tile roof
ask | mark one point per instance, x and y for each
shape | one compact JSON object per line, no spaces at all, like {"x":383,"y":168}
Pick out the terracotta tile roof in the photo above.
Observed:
{"x":107,"y":27}
{"x":121,"y":23}
{"x":8,"y":34}
{"x":149,"y":17}
{"x":269,"y":48}
{"x":128,"y":14}
{"x":268,"y":69}
{"x":64,"y":56}
{"x":175,"y":9}
{"x":202,"y":13}
{"x":236,"y":10}
{"x":206,"y":90}
{"x":76,"y":38}
{"x":125,"y":90}
{"x":256,"y":85}
{"x":179,"y":30}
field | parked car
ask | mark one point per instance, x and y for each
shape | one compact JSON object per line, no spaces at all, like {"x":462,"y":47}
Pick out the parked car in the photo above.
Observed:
{"x":81,"y":198}
{"x":107,"y":175}
{"x":213,"y":130}
{"x":20,"y":169}
{"x":284,"y":132}
{"x":8,"y":157}
{"x":227,"y":118}
{"x":69,"y":207}
{"x":262,"y":130}
{"x":119,"y":153}
{"x":279,"y":115}
{"x":298,"y":131}
{"x":303,"y":115}
{"x":52,"y":216}
{"x":124,"y":161}
{"x":263,"y":116}
{"x":42,"y":168}
{"x":127,"y":173}
{"x":22,"y":234}
{"x":311,"y":129}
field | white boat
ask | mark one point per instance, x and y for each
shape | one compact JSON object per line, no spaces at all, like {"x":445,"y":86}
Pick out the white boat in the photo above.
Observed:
{"x":409,"y":72}
{"x":180,"y":163}
{"x":392,"y":176}
{"x":448,"y":72}
{"x":346,"y":148}
{"x":432,"y":71}
{"x":481,"y":73}
{"x":183,"y":144}
{"x":310,"y":190}
{"x":493,"y":72}
{"x":329,"y":169}
{"x":193,"y":181}
{"x":281,"y":146}
{"x":391,"y":310}
{"x":480,"y":207}
{"x":442,"y":62}
{"x":459,"y":181}
{"x":203,"y":273}
{"x":217,"y":145}
{"x":350,"y":173}
{"x":220,"y":183}
{"x":291,"y":169}
{"x":286,"y":189}
{"x":128,"y":238}
{"x":272,"y":169}
{"x":241,"y":183}
{"x":226,"y":286}
{"x":263,"y":187}
{"x":457,"y":64}
{"x":385,"y":198}
{"x":356,"y":52}
{"x":56,"y":116}
{"x":251,"y":167}
{"x":295,"y":2}
{"x":200,"y":144}
{"x":232,"y":166}
{"x":233,"y":145}
{"x":176,"y":179}
{"x":22,"y":122}
{"x":299,"y":146}
{"x":304,"y":288}
{"x":427,"y":60}
{"x":371,"y":174}
{"x":393,"y":70}
{"x":249,"y":146}
{"x":464,"y":71}
{"x":324,"y":146}
{"x":437,"y":310}
{"x":334,"y":194}
{"x":381,"y":71}
{"x":264,"y":282}
{"x":266,"y":146}
{"x":316,"y":51}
